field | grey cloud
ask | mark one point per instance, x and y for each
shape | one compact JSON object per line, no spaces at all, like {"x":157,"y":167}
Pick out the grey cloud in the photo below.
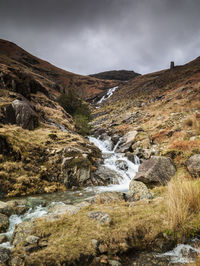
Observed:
{"x":88,"y":36}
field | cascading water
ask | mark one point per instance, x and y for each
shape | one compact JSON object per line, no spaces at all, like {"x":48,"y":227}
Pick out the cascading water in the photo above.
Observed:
{"x":108,"y":94}
{"x":37,"y":212}
{"x":125,"y":169}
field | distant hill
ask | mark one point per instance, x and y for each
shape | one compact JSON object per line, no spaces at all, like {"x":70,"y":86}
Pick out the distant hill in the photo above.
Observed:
{"x":122,"y":75}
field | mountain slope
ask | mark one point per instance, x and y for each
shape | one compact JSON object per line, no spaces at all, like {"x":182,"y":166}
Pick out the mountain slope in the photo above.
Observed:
{"x":163,"y":107}
{"x":36,"y":133}
{"x":16,"y":58}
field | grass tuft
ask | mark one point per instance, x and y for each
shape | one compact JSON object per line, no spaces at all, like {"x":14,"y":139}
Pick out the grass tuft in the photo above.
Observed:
{"x":183,"y":201}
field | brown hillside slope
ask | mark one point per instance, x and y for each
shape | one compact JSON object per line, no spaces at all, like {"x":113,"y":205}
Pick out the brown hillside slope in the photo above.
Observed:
{"x":36,"y":133}
{"x":15,"y":57}
{"x":164,"y":107}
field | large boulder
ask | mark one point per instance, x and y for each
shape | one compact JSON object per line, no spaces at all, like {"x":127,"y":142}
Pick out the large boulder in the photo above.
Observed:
{"x":20,"y":113}
{"x":138,"y":191}
{"x":158,"y":170}
{"x":76,"y":171}
{"x":193,"y":165}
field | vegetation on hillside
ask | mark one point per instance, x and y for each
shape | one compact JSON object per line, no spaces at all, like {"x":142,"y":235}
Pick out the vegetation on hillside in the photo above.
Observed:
{"x":78,"y":109}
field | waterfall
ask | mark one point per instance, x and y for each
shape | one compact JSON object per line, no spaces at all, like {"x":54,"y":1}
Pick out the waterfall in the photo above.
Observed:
{"x":108,"y":94}
{"x":125,"y":169}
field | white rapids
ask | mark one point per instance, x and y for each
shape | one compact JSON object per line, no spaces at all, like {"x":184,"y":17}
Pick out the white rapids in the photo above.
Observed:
{"x":181,"y":254}
{"x":111,"y":158}
{"x":14,"y":220}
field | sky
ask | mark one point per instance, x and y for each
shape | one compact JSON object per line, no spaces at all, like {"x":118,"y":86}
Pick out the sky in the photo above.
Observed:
{"x":91,"y":36}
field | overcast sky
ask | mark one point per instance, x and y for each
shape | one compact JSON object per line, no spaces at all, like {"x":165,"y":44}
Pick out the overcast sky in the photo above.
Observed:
{"x":90,"y":36}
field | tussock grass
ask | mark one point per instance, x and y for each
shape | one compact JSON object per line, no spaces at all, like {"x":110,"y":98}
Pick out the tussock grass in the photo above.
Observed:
{"x":70,"y":238}
{"x":183,"y":202}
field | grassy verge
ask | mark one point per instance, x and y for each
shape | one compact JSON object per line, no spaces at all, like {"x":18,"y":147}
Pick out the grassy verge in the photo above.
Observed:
{"x":171,"y":218}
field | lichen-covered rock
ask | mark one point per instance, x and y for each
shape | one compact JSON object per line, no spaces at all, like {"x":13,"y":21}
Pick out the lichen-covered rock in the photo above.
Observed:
{"x":4,"y":256}
{"x":18,"y":207}
{"x":108,"y":197}
{"x":138,"y":191}
{"x":22,"y":231}
{"x":193,"y":165}
{"x":5,"y":208}
{"x":105,"y":176}
{"x":62,"y":208}
{"x":156,"y":171}
{"x":25,"y":116}
{"x":100,"y":217}
{"x":76,"y":171}
{"x":4,"y":223}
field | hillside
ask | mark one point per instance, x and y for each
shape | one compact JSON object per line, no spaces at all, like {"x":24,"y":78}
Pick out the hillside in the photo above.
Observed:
{"x":145,"y":159}
{"x":12,"y":57}
{"x":162,"y":106}
{"x":122,"y":75}
{"x":36,"y":133}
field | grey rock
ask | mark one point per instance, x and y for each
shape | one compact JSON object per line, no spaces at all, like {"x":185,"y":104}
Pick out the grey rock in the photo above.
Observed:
{"x":4,"y":223}
{"x":108,"y":197}
{"x":193,"y":165}
{"x":21,"y":113}
{"x":5,"y":208}
{"x":103,"y":248}
{"x":114,"y":263}
{"x":56,"y":211}
{"x":33,"y":202}
{"x":3,"y":238}
{"x":22,"y":231}
{"x":105,"y":176}
{"x":138,"y":191}
{"x":31,"y":239}
{"x":100,"y":217}
{"x":128,"y":140}
{"x":4,"y":255}
{"x":95,"y":243}
{"x":156,"y":171}
{"x":122,"y":165}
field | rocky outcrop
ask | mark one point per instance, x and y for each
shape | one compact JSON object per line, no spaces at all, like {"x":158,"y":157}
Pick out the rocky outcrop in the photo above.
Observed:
{"x":105,"y":176}
{"x":127,"y":141}
{"x":22,"y":231}
{"x":4,"y":223}
{"x":20,"y":113}
{"x":193,"y":165}
{"x":4,"y":256}
{"x":156,"y":171}
{"x":75,"y":171}
{"x":5,"y":208}
{"x":138,"y":191}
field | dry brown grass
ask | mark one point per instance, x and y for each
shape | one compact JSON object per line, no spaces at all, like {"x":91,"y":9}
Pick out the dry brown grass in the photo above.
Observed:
{"x":183,"y":201}
{"x":70,"y":237}
{"x":185,"y":145}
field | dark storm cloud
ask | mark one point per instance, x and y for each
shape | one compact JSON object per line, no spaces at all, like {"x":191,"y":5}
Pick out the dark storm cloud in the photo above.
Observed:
{"x":87,"y":36}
